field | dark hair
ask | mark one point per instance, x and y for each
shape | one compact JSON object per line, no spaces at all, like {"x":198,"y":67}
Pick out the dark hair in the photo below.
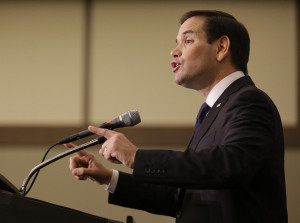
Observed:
{"x":219,"y":24}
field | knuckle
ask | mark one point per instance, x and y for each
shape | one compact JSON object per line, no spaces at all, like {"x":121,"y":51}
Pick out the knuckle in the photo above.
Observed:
{"x":120,"y":135}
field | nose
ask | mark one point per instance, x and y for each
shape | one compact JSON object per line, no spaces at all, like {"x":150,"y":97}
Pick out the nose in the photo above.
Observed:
{"x":176,"y":52}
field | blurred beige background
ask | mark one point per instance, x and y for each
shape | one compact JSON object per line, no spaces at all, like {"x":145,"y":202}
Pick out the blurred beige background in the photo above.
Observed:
{"x":42,"y":71}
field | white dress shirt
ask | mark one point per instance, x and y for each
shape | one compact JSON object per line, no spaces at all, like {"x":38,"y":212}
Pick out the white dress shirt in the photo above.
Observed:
{"x":220,"y":87}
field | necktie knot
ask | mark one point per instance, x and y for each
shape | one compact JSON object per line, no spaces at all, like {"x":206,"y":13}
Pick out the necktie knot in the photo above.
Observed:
{"x":202,"y":114}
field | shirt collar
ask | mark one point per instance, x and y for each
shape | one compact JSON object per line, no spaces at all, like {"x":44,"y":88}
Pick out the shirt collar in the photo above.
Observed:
{"x":220,"y":87}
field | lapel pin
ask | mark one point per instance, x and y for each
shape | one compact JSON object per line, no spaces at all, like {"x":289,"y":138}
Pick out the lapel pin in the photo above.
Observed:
{"x":218,"y":105}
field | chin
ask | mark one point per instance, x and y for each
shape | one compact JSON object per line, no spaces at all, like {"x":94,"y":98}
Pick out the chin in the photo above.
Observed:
{"x":182,"y":83}
{"x":179,"y":82}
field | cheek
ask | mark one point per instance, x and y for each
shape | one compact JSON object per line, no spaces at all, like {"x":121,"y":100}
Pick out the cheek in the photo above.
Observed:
{"x":196,"y":59}
{"x":197,"y":53}
{"x":203,"y":57}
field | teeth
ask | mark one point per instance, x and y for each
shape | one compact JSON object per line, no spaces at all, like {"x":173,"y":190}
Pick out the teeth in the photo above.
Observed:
{"x":175,"y":65}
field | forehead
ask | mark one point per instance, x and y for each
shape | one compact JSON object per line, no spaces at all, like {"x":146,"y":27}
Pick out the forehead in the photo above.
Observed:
{"x":192,"y":25}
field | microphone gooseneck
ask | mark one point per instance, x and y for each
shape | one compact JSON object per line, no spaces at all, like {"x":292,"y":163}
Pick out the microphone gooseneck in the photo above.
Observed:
{"x":57,"y":157}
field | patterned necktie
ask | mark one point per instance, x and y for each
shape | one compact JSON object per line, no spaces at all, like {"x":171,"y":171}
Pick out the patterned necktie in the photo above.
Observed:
{"x":202,"y":114}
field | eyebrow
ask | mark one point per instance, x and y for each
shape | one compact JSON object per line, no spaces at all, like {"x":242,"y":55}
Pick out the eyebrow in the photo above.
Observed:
{"x":186,"y":32}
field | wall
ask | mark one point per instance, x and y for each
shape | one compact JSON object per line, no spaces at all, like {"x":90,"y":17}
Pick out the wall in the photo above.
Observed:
{"x":42,"y":59}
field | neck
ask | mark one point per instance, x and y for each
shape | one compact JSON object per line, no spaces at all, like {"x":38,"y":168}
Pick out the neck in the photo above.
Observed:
{"x":215,"y":81}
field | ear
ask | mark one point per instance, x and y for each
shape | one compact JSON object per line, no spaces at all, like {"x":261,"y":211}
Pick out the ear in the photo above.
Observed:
{"x":223,"y":45}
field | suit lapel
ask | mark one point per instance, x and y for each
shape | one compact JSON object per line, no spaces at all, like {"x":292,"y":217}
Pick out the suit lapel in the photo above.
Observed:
{"x":214,"y":111}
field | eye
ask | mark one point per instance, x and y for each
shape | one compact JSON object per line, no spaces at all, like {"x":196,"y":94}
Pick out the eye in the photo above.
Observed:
{"x":188,"y":41}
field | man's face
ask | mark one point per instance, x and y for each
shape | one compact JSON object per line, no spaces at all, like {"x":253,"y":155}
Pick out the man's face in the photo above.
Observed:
{"x":194,"y":63}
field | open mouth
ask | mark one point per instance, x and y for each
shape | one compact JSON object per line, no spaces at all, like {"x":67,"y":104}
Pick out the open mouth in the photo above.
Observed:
{"x":175,"y":66}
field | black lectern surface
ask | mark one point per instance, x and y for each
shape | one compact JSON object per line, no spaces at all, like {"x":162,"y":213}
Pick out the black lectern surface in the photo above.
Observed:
{"x":15,"y":208}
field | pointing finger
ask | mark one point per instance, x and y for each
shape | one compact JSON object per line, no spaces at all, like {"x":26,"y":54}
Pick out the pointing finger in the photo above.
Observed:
{"x":102,"y":132}
{"x":80,"y":153}
{"x":69,"y":145}
{"x":83,"y":153}
{"x":73,"y":163}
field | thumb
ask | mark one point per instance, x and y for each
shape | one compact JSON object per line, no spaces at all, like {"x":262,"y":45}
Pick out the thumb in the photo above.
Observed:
{"x":81,"y":173}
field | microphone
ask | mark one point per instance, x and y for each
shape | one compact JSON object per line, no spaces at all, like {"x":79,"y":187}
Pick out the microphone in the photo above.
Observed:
{"x":129,"y":118}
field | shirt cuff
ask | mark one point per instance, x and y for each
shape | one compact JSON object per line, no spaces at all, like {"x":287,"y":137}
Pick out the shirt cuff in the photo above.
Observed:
{"x":111,"y":187}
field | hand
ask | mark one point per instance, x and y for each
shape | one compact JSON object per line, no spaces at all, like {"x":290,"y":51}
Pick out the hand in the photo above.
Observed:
{"x":85,"y":166}
{"x":117,"y":148}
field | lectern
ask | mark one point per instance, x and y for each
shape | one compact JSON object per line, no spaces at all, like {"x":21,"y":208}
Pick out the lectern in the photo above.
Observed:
{"x":15,"y":208}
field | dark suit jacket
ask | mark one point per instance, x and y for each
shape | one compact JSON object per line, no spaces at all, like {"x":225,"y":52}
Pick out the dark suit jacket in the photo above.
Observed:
{"x":231,"y":172}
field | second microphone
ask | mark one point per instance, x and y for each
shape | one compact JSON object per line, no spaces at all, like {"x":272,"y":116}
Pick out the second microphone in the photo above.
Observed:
{"x":129,"y":118}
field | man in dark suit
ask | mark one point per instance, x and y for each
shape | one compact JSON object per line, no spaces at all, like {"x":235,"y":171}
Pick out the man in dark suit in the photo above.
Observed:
{"x":233,"y":168}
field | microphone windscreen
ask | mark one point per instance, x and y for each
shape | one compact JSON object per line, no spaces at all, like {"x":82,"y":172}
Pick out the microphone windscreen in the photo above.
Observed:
{"x":130,"y":118}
